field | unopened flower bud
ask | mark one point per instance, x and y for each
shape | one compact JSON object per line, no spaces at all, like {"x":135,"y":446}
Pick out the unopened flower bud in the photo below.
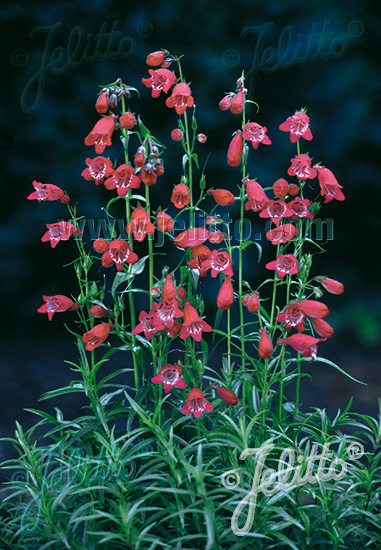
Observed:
{"x":113,"y":101}
{"x":176,"y":134}
{"x":155,"y":292}
{"x":201,"y":138}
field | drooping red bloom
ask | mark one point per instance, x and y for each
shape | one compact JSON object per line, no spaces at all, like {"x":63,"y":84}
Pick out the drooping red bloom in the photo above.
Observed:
{"x":47,"y":192}
{"x":192,"y":324}
{"x":256,"y":134}
{"x":285,"y":264}
{"x":280,"y":188}
{"x":180,"y":195}
{"x":301,"y":168}
{"x":292,"y":316}
{"x":199,"y":254}
{"x":299,"y":208}
{"x":196,"y":404}
{"x":160,"y":81}
{"x":169,"y":376}
{"x":329,"y":186}
{"x":101,"y":105}
{"x":238,"y":102}
{"x":251,"y":301}
{"x":235,"y":150}
{"x":60,"y":231}
{"x":276,"y":210}
{"x":219,"y":262}
{"x":149,"y":174}
{"x":216,"y":237}
{"x":313,"y":309}
{"x":222,"y":196}
{"x":169,"y":291}
{"x":167,"y":310}
{"x":298,"y":125}
{"x":323,"y":328}
{"x":265,"y":347}
{"x":149,"y":323}
{"x":96,"y":336}
{"x":282,"y":234}
{"x":174,"y":330}
{"x":225,"y":295}
{"x":118,"y":251}
{"x":140,"y":157}
{"x":177,"y":134}
{"x":56,"y":304}
{"x":97,"y":169}
{"x":256,"y":195}
{"x":331,"y":285}
{"x":98,"y":312}
{"x":226,"y":395}
{"x":191,"y":237}
{"x":181,"y":98}
{"x":213,"y":220}
{"x":155,"y":59}
{"x":293,"y":189}
{"x":303,"y":343}
{"x":225,"y":102}
{"x":140,"y":225}
{"x":127,"y":121}
{"x":100,"y":135}
{"x":122,"y":180}
{"x":164,"y":222}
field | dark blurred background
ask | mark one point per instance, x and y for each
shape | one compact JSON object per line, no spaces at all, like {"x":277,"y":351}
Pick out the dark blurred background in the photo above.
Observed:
{"x":321,"y":55}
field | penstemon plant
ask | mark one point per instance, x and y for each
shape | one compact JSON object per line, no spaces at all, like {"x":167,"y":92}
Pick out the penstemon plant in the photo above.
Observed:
{"x":171,"y":451}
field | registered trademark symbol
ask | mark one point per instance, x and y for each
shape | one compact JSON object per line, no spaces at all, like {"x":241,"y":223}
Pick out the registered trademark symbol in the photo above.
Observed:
{"x":355,"y":28}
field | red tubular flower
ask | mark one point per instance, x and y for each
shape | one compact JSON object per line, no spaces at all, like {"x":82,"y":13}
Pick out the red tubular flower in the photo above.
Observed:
{"x":280,"y":188}
{"x":100,"y":135}
{"x":292,"y":316}
{"x":282,"y":234}
{"x":191,"y":237}
{"x":192,"y":324}
{"x":164,"y":222}
{"x":167,"y":310}
{"x":313,"y":309}
{"x":219,"y":262}
{"x":98,"y":312}
{"x":140,"y":157}
{"x":56,"y":304}
{"x":285,"y":264}
{"x":235,"y":150}
{"x":265,"y":347}
{"x":251,"y":301}
{"x":180,"y":99}
{"x":98,"y":169}
{"x":199,"y":254}
{"x":303,"y":343}
{"x":256,"y":195}
{"x":122,"y":180}
{"x":160,"y":81}
{"x":331,"y":285}
{"x":149,"y":323}
{"x":299,"y":208}
{"x":276,"y":210}
{"x":329,"y":186}
{"x":60,"y":231}
{"x":127,"y":121}
{"x":301,"y":168}
{"x":118,"y":252}
{"x":238,"y":102}
{"x":96,"y":336}
{"x":222,"y":196}
{"x":47,"y":192}
{"x":169,"y":376}
{"x":149,"y":174}
{"x":226,"y":395}
{"x":177,"y":134}
{"x":180,"y":195}
{"x":139,"y":225}
{"x":196,"y":404}
{"x":225,"y":102}
{"x":256,"y":134}
{"x":101,"y":245}
{"x":155,"y":59}
{"x":323,"y":328}
{"x":293,"y":189}
{"x":216,"y":237}
{"x":298,"y":125}
{"x":174,"y":330}
{"x":101,"y":105}
{"x":169,"y":291}
{"x":225,"y":295}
